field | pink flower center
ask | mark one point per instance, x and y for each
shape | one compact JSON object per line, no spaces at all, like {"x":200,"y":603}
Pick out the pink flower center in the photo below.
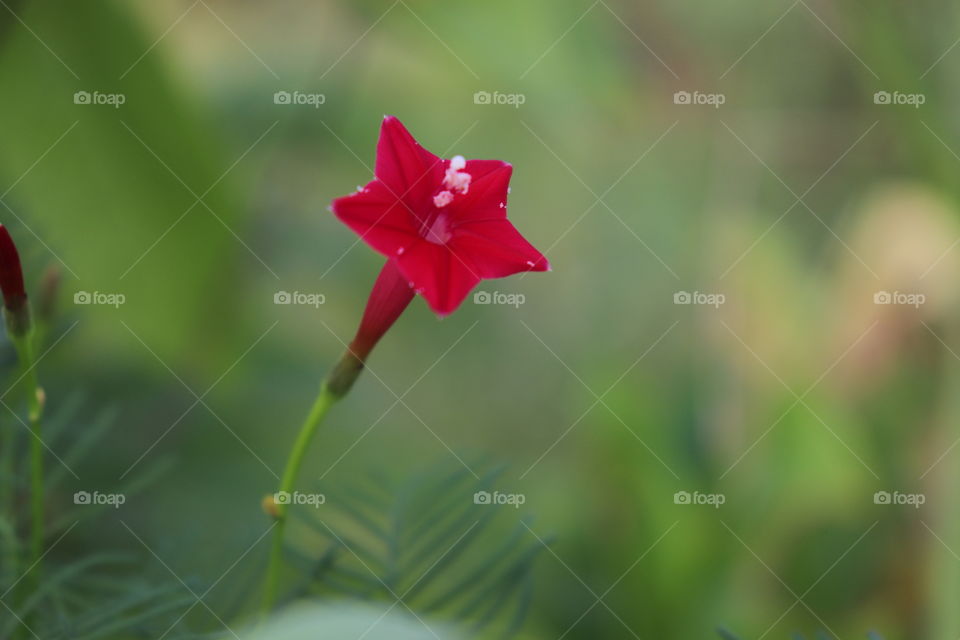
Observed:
{"x":455,"y":181}
{"x":439,"y":231}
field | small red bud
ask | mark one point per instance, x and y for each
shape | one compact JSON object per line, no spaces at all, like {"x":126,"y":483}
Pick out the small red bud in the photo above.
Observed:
{"x":16,"y":310}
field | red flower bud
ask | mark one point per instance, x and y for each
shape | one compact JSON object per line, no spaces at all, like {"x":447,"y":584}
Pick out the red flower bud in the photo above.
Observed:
{"x":16,"y":311}
{"x":11,"y":274}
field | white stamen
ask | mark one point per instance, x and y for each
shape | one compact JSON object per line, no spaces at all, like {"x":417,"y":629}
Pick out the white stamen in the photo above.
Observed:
{"x":442,"y":199}
{"x":455,"y":178}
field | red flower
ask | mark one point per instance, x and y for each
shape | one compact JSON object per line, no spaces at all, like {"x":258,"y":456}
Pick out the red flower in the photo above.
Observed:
{"x":441,"y":223}
{"x":11,"y":273}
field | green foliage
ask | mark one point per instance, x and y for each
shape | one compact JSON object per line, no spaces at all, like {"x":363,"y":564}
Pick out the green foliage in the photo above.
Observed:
{"x":726,"y":635}
{"x":86,"y":597}
{"x":126,"y":173}
{"x":425,"y":544}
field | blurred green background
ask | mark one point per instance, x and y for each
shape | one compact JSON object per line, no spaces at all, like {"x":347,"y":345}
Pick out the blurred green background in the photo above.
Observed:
{"x":799,"y":199}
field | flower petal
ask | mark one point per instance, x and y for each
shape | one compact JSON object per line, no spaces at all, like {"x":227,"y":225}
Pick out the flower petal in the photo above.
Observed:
{"x":406,"y":168}
{"x":439,"y":274}
{"x":487,"y":197}
{"x":376,"y":215}
{"x":496,"y":249}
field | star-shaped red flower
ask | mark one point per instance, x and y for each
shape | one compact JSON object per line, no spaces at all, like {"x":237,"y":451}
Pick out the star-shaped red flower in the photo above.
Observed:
{"x":442,"y":223}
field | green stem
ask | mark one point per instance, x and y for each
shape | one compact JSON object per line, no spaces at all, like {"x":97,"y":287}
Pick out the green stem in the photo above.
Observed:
{"x":24,"y":346}
{"x":321,"y":406}
{"x":8,"y":538}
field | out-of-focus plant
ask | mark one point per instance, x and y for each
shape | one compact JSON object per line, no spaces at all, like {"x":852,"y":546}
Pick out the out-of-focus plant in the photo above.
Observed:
{"x":96,"y":595}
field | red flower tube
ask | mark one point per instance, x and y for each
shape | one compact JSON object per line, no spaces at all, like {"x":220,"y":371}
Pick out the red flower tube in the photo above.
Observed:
{"x":390,"y":296}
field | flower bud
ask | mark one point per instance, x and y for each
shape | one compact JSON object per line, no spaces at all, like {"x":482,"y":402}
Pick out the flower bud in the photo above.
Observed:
{"x":269,"y":506}
{"x":46,"y":299}
{"x":16,"y":311}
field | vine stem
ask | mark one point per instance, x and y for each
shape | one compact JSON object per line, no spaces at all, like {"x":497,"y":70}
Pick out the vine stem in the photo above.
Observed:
{"x":390,"y":296}
{"x":8,"y":537}
{"x":325,"y":399}
{"x":35,"y":402}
